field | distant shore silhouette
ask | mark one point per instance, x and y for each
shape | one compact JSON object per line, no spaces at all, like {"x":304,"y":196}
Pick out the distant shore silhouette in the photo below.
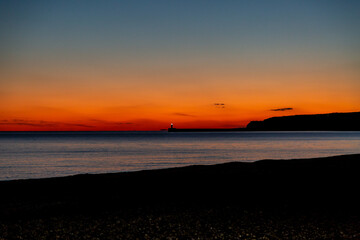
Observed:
{"x":316,"y":122}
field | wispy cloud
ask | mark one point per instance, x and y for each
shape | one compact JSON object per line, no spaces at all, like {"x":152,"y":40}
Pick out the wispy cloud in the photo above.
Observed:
{"x":219,"y":105}
{"x":109,"y":122}
{"x":183,"y":115}
{"x":21,"y":122}
{"x":122,"y":123}
{"x":40,"y":123}
{"x":77,"y":125}
{"x":281,"y":109}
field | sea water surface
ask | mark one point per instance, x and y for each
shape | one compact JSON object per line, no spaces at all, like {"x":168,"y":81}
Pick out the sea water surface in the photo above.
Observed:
{"x":25,"y":155}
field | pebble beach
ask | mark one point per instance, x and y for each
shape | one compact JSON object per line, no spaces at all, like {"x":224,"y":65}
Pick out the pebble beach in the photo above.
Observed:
{"x":269,"y":199}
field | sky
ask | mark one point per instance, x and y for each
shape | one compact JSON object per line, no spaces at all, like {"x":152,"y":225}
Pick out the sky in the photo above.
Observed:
{"x":141,"y":65}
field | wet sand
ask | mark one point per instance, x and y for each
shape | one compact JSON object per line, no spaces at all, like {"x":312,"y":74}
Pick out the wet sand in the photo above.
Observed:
{"x":268,"y":199}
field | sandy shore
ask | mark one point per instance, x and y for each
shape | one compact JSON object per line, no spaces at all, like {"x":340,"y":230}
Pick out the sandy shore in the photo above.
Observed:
{"x":268,"y":199}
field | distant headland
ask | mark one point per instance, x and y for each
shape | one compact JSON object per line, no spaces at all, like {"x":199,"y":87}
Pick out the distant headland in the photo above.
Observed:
{"x":316,"y":122}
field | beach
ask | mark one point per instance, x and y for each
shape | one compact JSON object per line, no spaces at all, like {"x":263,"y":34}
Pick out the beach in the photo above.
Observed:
{"x":267,"y":199}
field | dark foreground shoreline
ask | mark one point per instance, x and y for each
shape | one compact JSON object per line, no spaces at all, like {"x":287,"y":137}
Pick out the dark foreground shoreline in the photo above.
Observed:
{"x":268,"y":199}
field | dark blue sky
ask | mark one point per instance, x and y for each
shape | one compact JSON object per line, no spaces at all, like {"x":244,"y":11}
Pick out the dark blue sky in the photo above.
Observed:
{"x":152,"y":28}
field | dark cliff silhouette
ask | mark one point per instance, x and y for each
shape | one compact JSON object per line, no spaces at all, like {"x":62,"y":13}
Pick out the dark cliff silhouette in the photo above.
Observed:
{"x":318,"y":122}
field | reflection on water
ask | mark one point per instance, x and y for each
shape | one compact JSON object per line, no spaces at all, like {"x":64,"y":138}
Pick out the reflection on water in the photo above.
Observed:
{"x":35,"y":155}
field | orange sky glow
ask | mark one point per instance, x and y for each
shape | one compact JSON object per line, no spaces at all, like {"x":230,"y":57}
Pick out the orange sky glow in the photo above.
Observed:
{"x":147,"y":102}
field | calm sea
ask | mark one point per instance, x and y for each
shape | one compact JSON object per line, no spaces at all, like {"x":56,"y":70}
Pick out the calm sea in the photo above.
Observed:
{"x":26,"y":155}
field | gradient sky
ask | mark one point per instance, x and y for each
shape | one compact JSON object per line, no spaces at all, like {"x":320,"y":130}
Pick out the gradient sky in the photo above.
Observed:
{"x":140,"y":65}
